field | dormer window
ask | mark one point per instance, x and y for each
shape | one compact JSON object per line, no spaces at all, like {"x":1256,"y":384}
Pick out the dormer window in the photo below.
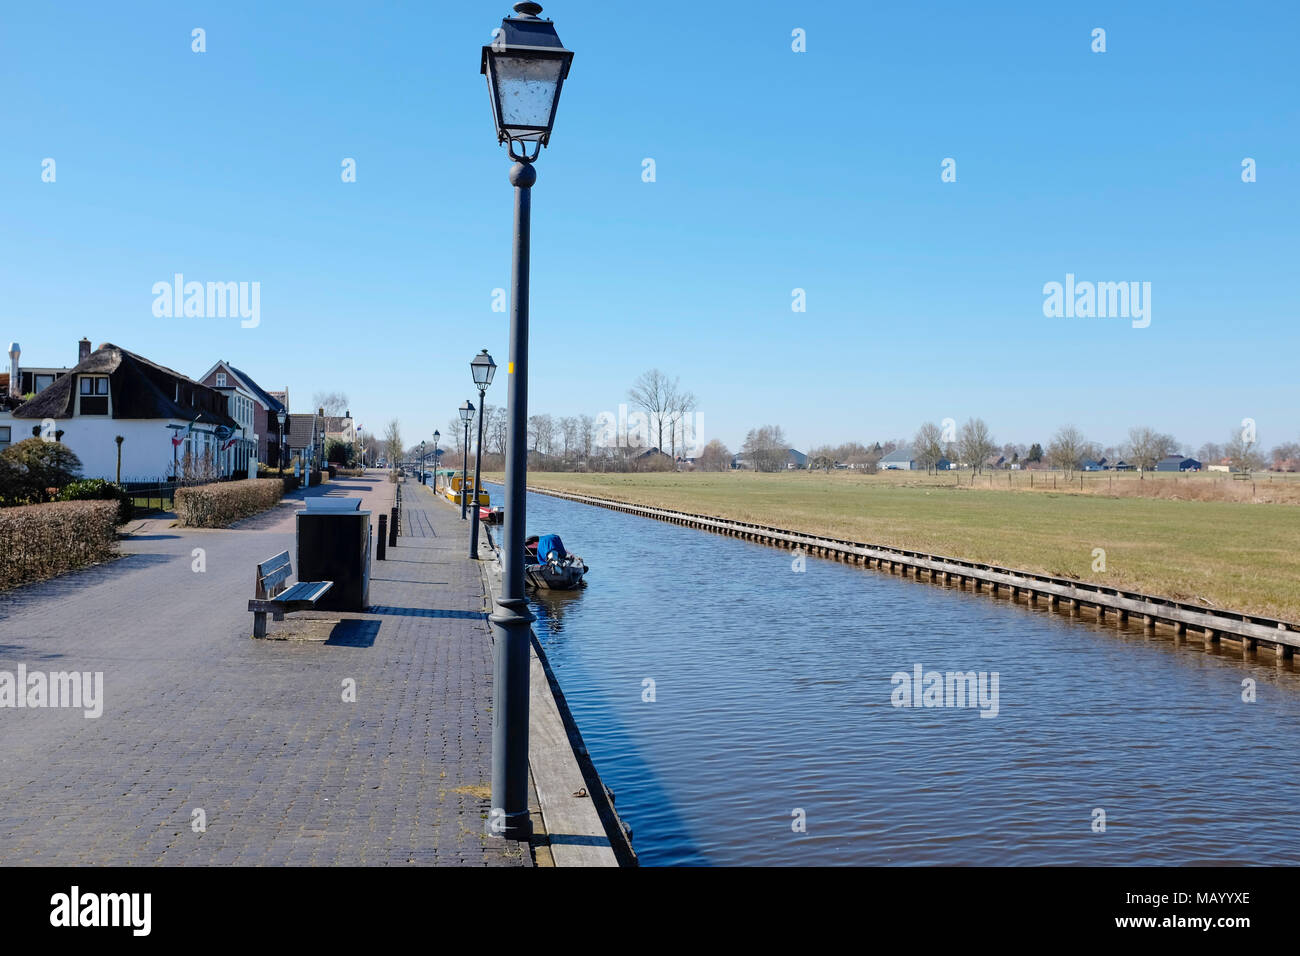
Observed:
{"x":94,"y":395}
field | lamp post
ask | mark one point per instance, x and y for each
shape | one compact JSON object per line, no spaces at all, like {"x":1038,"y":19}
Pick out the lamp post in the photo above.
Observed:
{"x":436,"y":435}
{"x":466,"y":416}
{"x":422,"y":481}
{"x":525,"y":66}
{"x":280,"y":415}
{"x":482,"y":368}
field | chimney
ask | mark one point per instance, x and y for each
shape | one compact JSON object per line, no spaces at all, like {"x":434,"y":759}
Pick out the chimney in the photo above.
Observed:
{"x":83,"y":350}
{"x":15,"y":380}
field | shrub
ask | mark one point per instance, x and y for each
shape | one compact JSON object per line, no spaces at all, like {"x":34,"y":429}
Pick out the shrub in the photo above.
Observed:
{"x":97,"y":489}
{"x":34,"y":465}
{"x":221,"y":504}
{"x":40,"y":541}
{"x":351,"y":472}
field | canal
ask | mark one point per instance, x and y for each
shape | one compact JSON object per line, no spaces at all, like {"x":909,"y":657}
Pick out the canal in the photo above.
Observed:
{"x":744,"y":713}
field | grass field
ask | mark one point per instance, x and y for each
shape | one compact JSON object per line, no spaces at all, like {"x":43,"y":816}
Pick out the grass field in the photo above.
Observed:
{"x":1225,"y":554}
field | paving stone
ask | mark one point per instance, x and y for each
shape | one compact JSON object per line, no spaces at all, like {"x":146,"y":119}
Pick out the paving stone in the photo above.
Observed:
{"x":199,"y":715}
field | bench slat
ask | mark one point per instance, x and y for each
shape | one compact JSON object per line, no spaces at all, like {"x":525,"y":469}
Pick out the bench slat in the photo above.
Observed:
{"x":274,"y":564}
{"x":310,"y":591}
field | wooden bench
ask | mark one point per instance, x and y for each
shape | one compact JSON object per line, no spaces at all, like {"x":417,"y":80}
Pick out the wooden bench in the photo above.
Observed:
{"x":275,"y":597}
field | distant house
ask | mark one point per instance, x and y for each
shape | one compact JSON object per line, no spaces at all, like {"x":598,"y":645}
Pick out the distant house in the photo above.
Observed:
{"x":1177,"y":463}
{"x":795,"y":459}
{"x":1120,"y":465}
{"x":265,"y":431}
{"x":995,"y":461}
{"x":900,"y":459}
{"x":1089,"y":464}
{"x":302,"y":437}
{"x":114,"y":392}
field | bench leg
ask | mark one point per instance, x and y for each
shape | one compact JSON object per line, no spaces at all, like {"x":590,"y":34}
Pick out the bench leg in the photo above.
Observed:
{"x":259,"y":624}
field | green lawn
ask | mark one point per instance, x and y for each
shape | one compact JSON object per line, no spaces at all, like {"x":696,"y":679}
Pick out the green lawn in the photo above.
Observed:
{"x":1224,"y":554}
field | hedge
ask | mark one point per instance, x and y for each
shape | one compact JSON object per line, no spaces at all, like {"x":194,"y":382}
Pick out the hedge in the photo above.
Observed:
{"x":223,"y":503}
{"x":40,"y":541}
{"x":97,"y":489}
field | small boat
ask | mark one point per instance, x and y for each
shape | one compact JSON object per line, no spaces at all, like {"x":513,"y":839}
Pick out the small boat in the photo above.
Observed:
{"x":549,"y":567}
{"x":490,"y":515}
{"x":451,"y":490}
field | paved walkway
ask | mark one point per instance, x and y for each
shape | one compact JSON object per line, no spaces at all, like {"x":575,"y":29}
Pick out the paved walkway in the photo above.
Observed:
{"x":256,"y":734}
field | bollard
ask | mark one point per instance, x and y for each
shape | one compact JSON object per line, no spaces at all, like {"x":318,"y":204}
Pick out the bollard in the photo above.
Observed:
{"x":392,"y":530}
{"x":383,"y":536}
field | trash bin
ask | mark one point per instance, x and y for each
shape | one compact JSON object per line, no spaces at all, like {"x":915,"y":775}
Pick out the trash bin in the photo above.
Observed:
{"x":334,"y":545}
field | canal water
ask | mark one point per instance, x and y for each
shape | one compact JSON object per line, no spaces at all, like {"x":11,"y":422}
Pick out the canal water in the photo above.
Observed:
{"x":743,"y":713}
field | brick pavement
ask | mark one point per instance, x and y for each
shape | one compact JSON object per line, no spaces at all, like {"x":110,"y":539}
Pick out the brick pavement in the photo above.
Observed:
{"x":197,"y":715}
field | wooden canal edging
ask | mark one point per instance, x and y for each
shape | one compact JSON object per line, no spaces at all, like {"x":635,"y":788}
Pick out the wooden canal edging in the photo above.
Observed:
{"x":1064,"y":594}
{"x":575,"y":821}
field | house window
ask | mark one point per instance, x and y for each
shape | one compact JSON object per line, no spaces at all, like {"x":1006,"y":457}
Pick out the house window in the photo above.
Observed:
{"x":221,"y":380}
{"x":94,"y":394}
{"x":4,"y":436}
{"x":42,"y":382}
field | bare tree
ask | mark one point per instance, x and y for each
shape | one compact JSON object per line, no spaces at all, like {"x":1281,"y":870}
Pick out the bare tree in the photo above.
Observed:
{"x":975,"y":443}
{"x":393,"y":443}
{"x":586,"y":434}
{"x":1146,"y":446}
{"x":680,"y":406}
{"x":927,"y":446}
{"x":1287,"y":452}
{"x":653,"y":393}
{"x":714,"y":457}
{"x":1210,"y":453}
{"x":1242,"y":451}
{"x":333,"y":403}
{"x":456,"y":429}
{"x":1067,"y":449}
{"x":541,"y":431}
{"x":569,"y":435}
{"x":766,"y":448}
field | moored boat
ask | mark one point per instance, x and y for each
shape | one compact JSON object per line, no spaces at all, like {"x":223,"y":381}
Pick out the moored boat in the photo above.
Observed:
{"x":549,"y":567}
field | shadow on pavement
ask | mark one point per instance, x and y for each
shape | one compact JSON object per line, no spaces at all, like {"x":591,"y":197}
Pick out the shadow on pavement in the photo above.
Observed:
{"x":354,"y":633}
{"x":424,"y":612}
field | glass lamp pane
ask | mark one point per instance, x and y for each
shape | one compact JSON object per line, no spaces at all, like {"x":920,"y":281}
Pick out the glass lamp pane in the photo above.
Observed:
{"x":526,"y":88}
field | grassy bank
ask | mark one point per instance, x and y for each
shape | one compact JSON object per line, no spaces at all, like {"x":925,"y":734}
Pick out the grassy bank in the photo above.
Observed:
{"x":1219,"y":553}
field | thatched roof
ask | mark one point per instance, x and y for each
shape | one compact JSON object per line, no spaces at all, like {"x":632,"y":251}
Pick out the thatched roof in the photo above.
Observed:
{"x":140,"y":389}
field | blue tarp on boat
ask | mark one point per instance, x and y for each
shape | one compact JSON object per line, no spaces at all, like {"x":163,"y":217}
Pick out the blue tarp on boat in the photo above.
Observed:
{"x":546,"y":543}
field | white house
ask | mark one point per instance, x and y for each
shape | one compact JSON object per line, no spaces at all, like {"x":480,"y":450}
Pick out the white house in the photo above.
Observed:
{"x":164,"y":418}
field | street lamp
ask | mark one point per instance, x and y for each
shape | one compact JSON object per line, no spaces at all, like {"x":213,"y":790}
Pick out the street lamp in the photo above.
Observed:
{"x":525,"y":66}
{"x":466,"y":416}
{"x":280,"y":415}
{"x":436,"y":435}
{"x":482,"y":368}
{"x":422,"y":481}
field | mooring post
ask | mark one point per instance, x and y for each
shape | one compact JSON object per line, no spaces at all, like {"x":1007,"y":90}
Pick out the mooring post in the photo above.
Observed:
{"x":392,"y":530}
{"x":383,"y":537}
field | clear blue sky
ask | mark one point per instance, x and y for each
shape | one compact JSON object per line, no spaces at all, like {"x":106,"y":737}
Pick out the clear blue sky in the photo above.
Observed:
{"x":775,"y":170}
